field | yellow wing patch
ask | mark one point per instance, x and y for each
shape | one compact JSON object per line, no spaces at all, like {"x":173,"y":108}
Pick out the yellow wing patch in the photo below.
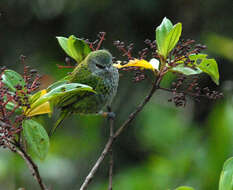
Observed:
{"x":44,"y":108}
{"x":39,"y":110}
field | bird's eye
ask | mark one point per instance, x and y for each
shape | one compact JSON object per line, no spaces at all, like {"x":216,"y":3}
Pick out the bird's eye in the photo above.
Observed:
{"x":100,"y":66}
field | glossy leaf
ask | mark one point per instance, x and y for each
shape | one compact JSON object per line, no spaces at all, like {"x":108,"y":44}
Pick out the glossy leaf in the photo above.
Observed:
{"x":171,"y":39}
{"x":201,"y":64}
{"x":11,"y":78}
{"x":63,"y":42}
{"x":210,"y":67}
{"x":10,"y":106}
{"x":78,"y":48}
{"x":36,"y":137}
{"x":161,"y":33}
{"x":226,"y":178}
{"x":196,"y":57}
{"x":186,"y":70}
{"x":184,"y":188}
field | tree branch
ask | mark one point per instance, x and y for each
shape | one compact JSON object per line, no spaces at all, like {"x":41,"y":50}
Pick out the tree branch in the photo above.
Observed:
{"x":111,"y":122}
{"x":97,"y":164}
{"x":32,"y":166}
{"x":119,"y":131}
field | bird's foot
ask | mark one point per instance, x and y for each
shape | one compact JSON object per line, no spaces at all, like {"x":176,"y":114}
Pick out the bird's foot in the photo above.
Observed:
{"x":111,"y":115}
{"x":108,"y":115}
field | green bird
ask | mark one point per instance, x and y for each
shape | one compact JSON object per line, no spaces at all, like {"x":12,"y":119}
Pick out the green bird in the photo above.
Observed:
{"x":96,"y":71}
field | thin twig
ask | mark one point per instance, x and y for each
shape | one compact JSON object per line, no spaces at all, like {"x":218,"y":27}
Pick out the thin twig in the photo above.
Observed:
{"x":118,"y":132}
{"x":32,"y":166}
{"x":97,"y":164}
{"x":101,"y":40}
{"x":138,"y":109}
{"x":111,"y":162}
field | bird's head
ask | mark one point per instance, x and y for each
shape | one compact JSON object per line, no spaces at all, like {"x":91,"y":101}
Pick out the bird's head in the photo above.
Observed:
{"x":100,"y":62}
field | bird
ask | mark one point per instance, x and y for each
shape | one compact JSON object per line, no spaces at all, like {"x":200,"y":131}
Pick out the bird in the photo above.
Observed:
{"x":96,"y":71}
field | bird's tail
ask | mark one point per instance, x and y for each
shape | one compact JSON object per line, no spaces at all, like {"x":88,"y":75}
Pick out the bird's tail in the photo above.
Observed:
{"x":61,"y":118}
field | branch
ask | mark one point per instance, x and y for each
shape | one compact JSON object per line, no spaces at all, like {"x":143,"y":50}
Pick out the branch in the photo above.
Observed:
{"x":97,"y":164}
{"x":111,"y":122}
{"x":118,"y":132}
{"x":32,"y":166}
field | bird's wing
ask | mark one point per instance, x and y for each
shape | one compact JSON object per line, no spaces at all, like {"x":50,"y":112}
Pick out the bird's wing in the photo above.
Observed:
{"x":62,"y":116}
{"x":56,"y":96}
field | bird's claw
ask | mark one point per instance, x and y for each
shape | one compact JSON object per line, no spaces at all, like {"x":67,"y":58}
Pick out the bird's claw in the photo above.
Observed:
{"x":111,"y":115}
{"x":108,"y":115}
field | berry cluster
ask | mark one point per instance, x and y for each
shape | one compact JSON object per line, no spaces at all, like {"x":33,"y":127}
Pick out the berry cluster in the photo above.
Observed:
{"x":153,"y":47}
{"x":183,"y":49}
{"x":180,"y":89}
{"x":9,"y":125}
{"x":139,"y":76}
{"x":12,"y":104}
{"x":126,"y":50}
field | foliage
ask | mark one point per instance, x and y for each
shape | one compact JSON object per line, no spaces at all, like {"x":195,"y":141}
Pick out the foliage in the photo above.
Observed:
{"x":74,"y":47}
{"x":191,"y":63}
{"x":165,"y":60}
{"x":167,"y":37}
{"x":226,"y":178}
{"x":36,"y":137}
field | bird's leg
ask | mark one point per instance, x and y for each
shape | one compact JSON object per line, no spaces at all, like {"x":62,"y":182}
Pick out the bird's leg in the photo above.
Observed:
{"x":109,"y":114}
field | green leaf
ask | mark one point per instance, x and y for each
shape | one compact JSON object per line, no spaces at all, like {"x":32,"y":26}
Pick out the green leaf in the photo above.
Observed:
{"x":196,"y":57}
{"x":186,"y":70}
{"x":62,"y":91}
{"x":184,"y":188}
{"x":78,"y":48}
{"x":10,"y":106}
{"x":226,"y":178}
{"x":63,"y":42}
{"x":167,"y":36}
{"x":11,"y":78}
{"x":210,"y":67}
{"x":171,"y":39}
{"x":161,"y":33}
{"x":36,"y":137}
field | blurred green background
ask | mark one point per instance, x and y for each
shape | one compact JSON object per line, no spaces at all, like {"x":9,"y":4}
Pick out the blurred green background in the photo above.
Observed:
{"x":165,"y":146}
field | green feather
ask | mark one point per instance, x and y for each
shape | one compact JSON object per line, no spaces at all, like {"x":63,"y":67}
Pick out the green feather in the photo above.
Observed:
{"x":64,"y":114}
